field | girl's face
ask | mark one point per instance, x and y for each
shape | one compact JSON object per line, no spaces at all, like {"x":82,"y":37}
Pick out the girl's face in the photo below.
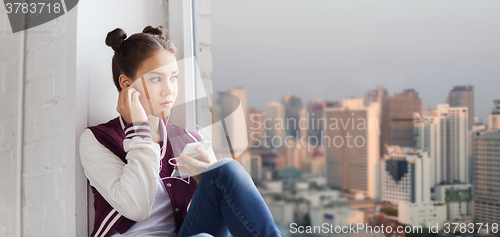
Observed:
{"x":157,"y":82}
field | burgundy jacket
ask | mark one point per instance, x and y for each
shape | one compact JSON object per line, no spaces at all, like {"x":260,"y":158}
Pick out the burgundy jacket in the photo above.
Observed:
{"x":111,"y":135}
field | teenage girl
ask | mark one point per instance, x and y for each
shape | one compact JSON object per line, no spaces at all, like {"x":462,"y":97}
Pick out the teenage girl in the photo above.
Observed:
{"x":128,"y":160}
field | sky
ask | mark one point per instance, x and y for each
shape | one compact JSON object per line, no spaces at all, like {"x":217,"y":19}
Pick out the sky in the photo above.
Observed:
{"x":337,"y":49}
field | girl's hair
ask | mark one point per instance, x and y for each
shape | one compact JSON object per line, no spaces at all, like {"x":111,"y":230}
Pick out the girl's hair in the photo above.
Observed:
{"x":132,"y":51}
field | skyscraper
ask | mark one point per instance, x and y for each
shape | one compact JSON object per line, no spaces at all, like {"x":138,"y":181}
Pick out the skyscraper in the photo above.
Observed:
{"x":241,"y":94}
{"x":275,"y":123}
{"x":293,"y":105}
{"x":255,"y":127}
{"x":494,"y":117}
{"x":405,"y":181}
{"x":421,"y":126}
{"x":314,"y":114}
{"x":477,"y":127}
{"x":405,"y":175}
{"x":351,"y":146}
{"x":253,"y":165}
{"x":413,"y":95}
{"x":444,"y":132}
{"x":232,"y":107}
{"x":463,"y":96}
{"x":237,"y":125}
{"x":486,"y":177}
{"x":397,"y":118}
{"x":375,"y":95}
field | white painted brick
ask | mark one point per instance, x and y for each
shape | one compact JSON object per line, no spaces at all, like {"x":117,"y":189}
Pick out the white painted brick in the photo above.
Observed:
{"x":3,"y":88}
{"x":8,"y":137}
{"x":38,"y":90}
{"x":43,"y":209}
{"x":39,"y":159}
{"x":60,"y":85}
{"x":207,"y":81}
{"x":9,"y":75}
{"x":10,"y":51}
{"x":204,"y":30}
{"x":4,"y":24}
{"x":205,"y":59}
{"x":41,"y":59}
{"x":45,"y":124}
{"x":205,"y":7}
{"x":9,"y":196}
{"x":59,"y":145}
{"x":7,"y":167}
{"x":43,"y":34}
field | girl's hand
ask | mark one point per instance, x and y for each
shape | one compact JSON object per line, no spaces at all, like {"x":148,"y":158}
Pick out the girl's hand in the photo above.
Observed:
{"x":130,"y":107}
{"x":194,"y":167}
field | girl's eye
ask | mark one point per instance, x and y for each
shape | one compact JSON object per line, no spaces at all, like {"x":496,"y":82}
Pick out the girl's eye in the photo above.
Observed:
{"x":174,"y":78}
{"x":155,"y":79}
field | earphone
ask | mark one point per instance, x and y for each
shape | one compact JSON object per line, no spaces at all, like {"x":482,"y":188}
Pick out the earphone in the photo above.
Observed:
{"x":128,"y":83}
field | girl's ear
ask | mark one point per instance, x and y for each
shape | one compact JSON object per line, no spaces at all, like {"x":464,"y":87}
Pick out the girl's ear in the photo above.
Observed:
{"x":124,"y":81}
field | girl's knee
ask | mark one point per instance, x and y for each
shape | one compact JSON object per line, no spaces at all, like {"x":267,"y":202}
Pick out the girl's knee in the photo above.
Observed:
{"x":229,"y":170}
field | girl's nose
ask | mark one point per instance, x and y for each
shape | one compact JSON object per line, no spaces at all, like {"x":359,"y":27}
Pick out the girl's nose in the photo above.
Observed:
{"x":165,"y":92}
{"x":166,"y":89}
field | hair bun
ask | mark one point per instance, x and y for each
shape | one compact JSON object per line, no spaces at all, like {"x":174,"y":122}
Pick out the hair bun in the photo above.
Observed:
{"x":154,"y":30}
{"x":115,"y":38}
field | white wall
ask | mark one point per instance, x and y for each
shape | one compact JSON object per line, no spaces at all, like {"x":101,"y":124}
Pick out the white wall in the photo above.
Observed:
{"x":37,"y":128}
{"x":10,"y":119}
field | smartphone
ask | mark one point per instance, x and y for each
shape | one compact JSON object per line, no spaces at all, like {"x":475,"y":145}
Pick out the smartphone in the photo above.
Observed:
{"x":189,"y":149}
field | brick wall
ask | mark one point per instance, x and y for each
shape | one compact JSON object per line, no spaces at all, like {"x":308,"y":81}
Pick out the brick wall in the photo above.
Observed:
{"x":9,"y":119}
{"x":37,"y":124}
{"x":205,"y":38}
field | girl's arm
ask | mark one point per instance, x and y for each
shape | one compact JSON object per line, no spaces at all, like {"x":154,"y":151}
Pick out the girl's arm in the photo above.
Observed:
{"x":129,"y":188}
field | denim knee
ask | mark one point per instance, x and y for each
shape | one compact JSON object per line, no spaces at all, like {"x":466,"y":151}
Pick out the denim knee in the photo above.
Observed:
{"x":233,"y":172}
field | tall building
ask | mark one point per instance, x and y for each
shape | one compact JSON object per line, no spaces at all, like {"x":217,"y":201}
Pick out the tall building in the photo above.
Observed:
{"x":417,"y":101}
{"x":275,"y":123}
{"x":314,"y":115}
{"x":421,"y":126}
{"x":297,"y":153}
{"x":241,"y":94}
{"x":375,"y":95}
{"x":444,"y":132}
{"x":303,"y":123}
{"x":232,"y":109}
{"x":458,"y":201}
{"x":405,"y":175}
{"x":397,"y":118}
{"x":237,"y":123}
{"x":351,"y":146}
{"x":463,"y":96}
{"x":293,"y":105}
{"x":477,"y":127}
{"x":253,"y":165}
{"x":494,"y":117}
{"x":255,"y":127}
{"x":486,"y":187}
{"x":405,"y":181}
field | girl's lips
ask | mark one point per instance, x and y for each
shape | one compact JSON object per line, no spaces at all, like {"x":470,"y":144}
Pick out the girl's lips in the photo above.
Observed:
{"x":167,"y":104}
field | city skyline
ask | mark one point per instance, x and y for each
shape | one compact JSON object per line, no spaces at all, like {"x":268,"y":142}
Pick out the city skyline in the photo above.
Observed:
{"x":336,"y":50}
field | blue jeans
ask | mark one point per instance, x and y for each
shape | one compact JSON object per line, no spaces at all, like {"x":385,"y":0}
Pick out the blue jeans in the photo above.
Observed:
{"x":227,"y":201}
